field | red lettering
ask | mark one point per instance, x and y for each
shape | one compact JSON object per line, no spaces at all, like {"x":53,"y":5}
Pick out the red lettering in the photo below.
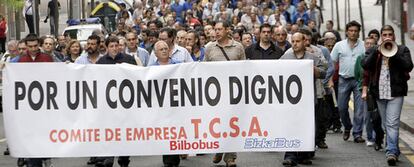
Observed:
{"x":196,"y":123}
{"x":166,"y":133}
{"x":254,"y":127}
{"x":211,"y":127}
{"x":182,"y":134}
{"x":158,"y":134}
{"x":235,"y":127}
{"x":150,"y":132}
{"x":63,"y":136}
{"x":53,"y":132}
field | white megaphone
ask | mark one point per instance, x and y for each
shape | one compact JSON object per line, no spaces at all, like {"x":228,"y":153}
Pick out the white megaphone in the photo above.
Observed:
{"x":388,"y":48}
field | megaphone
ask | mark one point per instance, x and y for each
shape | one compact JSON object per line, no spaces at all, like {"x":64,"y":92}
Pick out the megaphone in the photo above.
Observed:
{"x":388,"y":48}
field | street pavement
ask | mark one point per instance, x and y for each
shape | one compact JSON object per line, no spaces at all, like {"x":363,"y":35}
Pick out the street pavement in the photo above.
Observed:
{"x":339,"y":154}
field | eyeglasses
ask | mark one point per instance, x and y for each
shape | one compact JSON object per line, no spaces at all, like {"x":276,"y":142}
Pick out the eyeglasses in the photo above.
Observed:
{"x":131,"y":39}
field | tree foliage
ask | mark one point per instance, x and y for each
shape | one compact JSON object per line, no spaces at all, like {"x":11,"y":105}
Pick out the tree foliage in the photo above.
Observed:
{"x":17,"y":4}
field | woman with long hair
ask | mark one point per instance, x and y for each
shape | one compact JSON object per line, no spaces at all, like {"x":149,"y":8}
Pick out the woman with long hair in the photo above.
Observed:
{"x":73,"y":50}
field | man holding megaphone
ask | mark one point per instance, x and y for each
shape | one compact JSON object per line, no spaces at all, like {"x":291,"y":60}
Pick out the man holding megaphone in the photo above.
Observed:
{"x":390,"y":65}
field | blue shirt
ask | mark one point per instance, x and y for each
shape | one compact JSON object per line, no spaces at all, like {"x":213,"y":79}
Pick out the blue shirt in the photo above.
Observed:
{"x":305,"y":18}
{"x":178,"y":10}
{"x":201,"y":57}
{"x":143,"y":55}
{"x":170,"y":61}
{"x":331,"y":68}
{"x":179,"y":54}
{"x":84,"y":59}
{"x":346,"y":56}
{"x":15,"y":59}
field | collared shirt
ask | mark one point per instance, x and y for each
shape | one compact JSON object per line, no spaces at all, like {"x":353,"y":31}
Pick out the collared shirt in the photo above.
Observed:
{"x":234,"y":50}
{"x":201,"y":57}
{"x":141,"y":53}
{"x":346,"y":56}
{"x":286,"y":46}
{"x":179,"y":54}
{"x":170,"y":61}
{"x":85,"y":59}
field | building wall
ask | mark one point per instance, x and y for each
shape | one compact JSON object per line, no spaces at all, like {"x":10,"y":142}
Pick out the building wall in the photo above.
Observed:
{"x":394,"y":12}
{"x":410,"y":13}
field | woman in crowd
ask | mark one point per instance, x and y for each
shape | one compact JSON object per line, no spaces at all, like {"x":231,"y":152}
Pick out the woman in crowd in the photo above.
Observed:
{"x":73,"y":51}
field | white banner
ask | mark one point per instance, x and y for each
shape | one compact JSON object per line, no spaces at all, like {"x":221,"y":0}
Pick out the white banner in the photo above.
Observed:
{"x":71,"y":110}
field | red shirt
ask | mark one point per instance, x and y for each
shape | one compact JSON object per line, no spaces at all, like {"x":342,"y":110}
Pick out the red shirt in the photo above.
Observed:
{"x":40,"y":57}
{"x":3,"y":27}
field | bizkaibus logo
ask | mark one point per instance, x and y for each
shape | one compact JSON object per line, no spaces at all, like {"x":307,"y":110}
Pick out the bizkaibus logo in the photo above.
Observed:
{"x":253,"y":143}
{"x":197,"y":145}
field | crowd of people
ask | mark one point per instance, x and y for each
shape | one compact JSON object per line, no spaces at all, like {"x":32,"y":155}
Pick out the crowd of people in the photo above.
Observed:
{"x":161,"y":33}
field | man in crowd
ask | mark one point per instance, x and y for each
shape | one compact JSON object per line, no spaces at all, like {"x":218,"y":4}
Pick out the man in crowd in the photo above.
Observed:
{"x":113,"y":56}
{"x":178,"y":53}
{"x":345,"y":53}
{"x":298,"y":52}
{"x":389,"y":86}
{"x":48,"y":46}
{"x":224,"y":49}
{"x":92,"y":55}
{"x":329,"y":28}
{"x":141,"y":55}
{"x":264,"y":49}
{"x":280,"y":35}
{"x":33,"y":55}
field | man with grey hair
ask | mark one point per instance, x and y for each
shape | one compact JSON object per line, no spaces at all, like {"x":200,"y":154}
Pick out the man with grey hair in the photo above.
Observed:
{"x":11,"y":51}
{"x":280,"y":35}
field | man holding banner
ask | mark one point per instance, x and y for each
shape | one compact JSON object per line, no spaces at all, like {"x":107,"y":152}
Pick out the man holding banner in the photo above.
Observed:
{"x":113,"y":56}
{"x":298,"y":51}
{"x":161,"y":51}
{"x":224,"y":48}
{"x":33,"y":55}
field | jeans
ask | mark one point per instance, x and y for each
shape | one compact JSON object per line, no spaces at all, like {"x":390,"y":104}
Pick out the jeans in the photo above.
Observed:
{"x":390,"y":111}
{"x":345,"y":87}
{"x":368,"y":123}
{"x":53,"y":28}
{"x":321,"y":120}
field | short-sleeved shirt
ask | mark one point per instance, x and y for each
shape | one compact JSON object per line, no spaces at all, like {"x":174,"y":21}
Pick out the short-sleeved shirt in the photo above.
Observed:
{"x":234,"y":50}
{"x":179,"y":54}
{"x":346,"y":56}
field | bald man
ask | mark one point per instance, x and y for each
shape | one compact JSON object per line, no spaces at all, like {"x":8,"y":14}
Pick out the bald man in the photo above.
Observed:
{"x":298,"y":52}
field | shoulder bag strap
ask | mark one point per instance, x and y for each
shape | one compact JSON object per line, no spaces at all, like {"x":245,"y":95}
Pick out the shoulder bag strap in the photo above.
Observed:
{"x":224,"y":53}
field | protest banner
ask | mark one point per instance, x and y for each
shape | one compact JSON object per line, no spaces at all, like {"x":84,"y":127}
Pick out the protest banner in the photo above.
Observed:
{"x":72,"y":110}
